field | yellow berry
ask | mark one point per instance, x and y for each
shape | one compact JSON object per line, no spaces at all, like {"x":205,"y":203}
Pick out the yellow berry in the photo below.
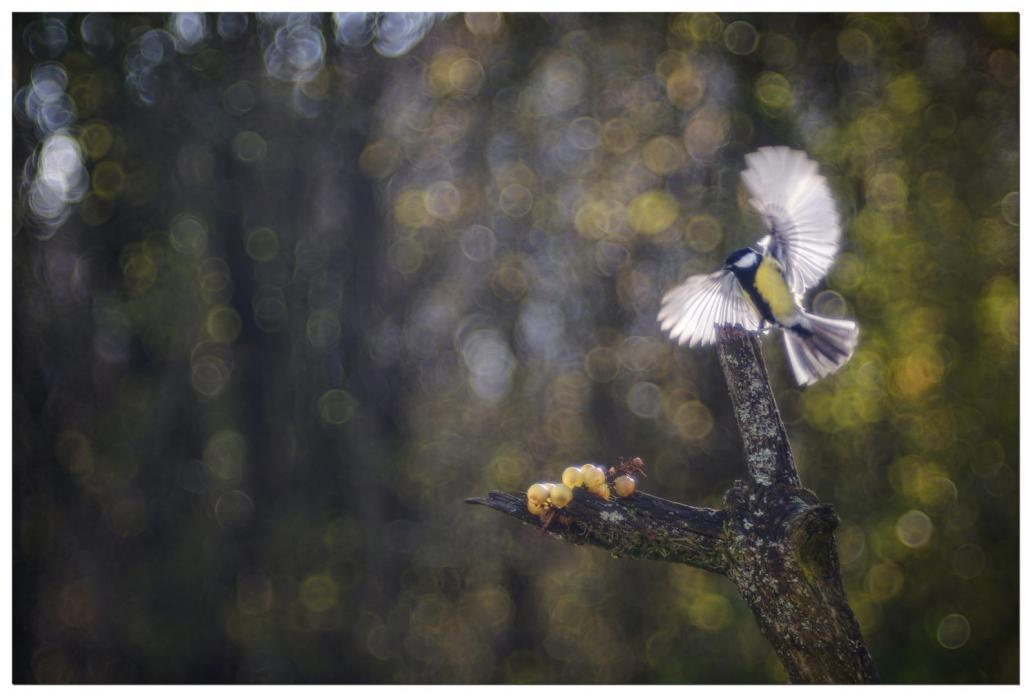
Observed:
{"x":561,"y":495}
{"x":572,"y":477}
{"x":536,"y":508}
{"x":625,"y":486}
{"x":538,"y":493}
{"x":593,"y":477}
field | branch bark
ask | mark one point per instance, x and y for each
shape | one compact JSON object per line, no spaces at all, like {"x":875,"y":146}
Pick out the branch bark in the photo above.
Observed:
{"x":642,"y":526}
{"x":783,"y":553}
{"x":774,"y":539}
{"x":768,"y":457}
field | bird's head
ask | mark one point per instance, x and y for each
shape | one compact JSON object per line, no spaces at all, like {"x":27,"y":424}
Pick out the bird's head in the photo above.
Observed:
{"x":742,"y":260}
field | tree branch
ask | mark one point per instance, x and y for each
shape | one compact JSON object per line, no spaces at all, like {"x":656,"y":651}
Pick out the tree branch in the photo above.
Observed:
{"x":774,"y":540}
{"x":640,"y":526}
{"x":784,"y":564}
{"x":767,"y":450}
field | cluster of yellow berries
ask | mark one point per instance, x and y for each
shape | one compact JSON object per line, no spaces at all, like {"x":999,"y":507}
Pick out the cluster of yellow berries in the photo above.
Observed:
{"x":543,"y":496}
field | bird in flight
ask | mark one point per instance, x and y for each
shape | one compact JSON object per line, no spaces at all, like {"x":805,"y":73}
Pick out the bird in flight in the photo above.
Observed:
{"x":762,"y":287}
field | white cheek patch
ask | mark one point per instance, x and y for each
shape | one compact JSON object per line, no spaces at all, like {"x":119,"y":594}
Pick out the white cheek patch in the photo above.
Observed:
{"x":746,"y":261}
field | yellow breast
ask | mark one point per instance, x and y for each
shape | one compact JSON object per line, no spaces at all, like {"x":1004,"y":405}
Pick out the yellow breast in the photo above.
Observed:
{"x":773,"y":288}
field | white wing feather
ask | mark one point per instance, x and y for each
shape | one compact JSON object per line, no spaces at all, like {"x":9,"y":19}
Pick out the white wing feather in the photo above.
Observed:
{"x":804,"y":228}
{"x":692,"y":311}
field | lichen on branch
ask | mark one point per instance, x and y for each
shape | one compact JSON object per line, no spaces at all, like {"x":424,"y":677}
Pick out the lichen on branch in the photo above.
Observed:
{"x":640,"y":526}
{"x":774,"y":539}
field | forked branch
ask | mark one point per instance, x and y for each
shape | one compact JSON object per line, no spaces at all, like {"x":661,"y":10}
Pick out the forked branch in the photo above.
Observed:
{"x":773,"y":540}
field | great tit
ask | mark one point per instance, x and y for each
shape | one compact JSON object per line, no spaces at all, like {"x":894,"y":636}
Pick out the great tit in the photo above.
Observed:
{"x":758,"y":288}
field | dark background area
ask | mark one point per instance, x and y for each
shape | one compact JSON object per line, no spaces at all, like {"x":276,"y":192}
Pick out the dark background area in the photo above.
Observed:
{"x":288,"y":288}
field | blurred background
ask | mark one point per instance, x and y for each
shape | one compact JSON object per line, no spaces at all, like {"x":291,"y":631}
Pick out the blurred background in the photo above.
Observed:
{"x":289,"y":287}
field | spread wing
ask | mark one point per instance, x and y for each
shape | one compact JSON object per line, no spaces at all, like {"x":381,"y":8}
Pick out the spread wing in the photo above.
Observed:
{"x":691,"y":311}
{"x":795,"y":202}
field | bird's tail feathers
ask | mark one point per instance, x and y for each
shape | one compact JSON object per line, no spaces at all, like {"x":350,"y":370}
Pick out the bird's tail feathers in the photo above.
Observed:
{"x":820,"y":348}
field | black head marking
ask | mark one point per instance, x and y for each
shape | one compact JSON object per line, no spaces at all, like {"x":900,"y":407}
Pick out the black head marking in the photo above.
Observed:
{"x":733,"y":261}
